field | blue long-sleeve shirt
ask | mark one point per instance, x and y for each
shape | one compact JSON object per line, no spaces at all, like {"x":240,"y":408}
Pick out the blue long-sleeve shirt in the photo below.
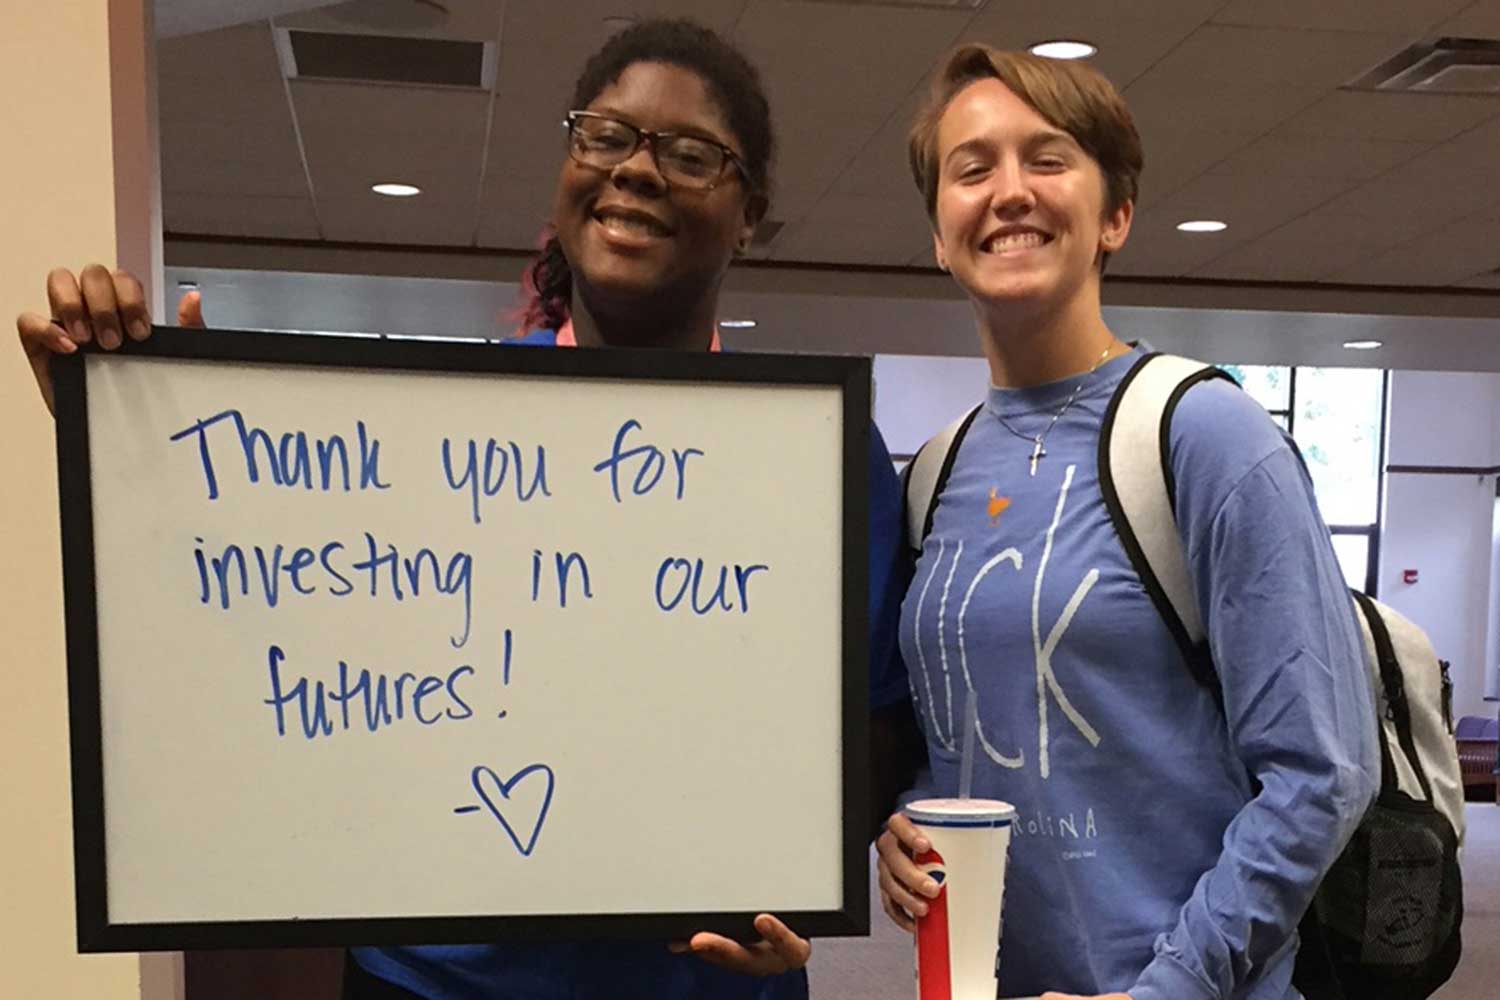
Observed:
{"x":1165,"y":847}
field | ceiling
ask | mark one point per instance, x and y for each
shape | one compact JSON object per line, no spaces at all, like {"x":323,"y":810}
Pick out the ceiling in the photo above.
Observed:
{"x":1240,"y":104}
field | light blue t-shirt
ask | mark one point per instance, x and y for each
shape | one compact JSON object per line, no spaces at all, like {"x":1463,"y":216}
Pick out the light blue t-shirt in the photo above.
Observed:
{"x":1145,"y":858}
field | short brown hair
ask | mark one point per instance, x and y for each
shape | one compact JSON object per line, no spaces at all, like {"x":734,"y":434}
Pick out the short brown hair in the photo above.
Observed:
{"x":1070,"y":95}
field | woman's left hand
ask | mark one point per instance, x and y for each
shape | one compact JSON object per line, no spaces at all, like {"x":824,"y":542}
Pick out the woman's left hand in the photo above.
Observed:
{"x":779,"y":950}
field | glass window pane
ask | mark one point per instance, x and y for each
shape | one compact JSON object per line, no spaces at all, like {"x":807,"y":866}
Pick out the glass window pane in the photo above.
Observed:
{"x":1353,"y":553}
{"x":1282,"y":421}
{"x":1338,"y":429}
{"x":1268,"y":385}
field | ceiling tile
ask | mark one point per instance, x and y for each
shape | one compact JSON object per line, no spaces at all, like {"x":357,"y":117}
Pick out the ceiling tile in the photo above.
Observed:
{"x":1177,"y":155}
{"x":1318,"y":156}
{"x":881,"y":166}
{"x":1397,"y":117}
{"x":424,"y":220}
{"x":873,"y":243}
{"x":356,"y":136}
{"x":1218,"y":59}
{"x":191,"y":173}
{"x":1480,"y":20}
{"x":1162,"y":104}
{"x":1394,"y":16}
{"x":1305,"y":249}
{"x":1131,"y":40}
{"x":243,"y":55}
{"x":268,"y":218}
{"x":1249,"y":209}
{"x":1463,"y":249}
{"x":515,"y":210}
{"x":473,"y":20}
{"x":830,"y":58}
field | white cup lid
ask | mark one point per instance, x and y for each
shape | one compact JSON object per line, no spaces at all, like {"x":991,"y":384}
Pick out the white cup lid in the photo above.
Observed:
{"x":961,"y":812}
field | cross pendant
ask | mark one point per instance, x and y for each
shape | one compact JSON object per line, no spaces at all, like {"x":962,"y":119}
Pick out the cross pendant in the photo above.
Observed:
{"x":1036,"y":455}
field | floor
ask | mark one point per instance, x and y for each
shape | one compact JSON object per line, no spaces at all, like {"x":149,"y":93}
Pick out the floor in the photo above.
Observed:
{"x":880,"y":967}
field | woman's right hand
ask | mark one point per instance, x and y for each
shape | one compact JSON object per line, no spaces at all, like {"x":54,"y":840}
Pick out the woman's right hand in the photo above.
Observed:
{"x":96,"y":305}
{"x":904,"y":888}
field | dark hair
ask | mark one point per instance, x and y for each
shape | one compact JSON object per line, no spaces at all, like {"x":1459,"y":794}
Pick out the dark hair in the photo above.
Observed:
{"x":547,"y":285}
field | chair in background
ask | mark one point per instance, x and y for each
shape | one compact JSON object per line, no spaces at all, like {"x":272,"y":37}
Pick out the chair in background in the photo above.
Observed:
{"x":1478,"y":752}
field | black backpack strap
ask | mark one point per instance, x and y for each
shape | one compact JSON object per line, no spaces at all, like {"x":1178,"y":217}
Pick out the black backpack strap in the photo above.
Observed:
{"x":1135,"y":477}
{"x":1396,"y":708}
{"x":927,"y":473}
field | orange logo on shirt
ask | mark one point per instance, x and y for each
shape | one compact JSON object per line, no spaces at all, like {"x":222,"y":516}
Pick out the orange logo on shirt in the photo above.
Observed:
{"x":998,"y":505}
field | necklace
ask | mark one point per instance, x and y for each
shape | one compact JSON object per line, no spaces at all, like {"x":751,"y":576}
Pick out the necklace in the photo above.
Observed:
{"x":1037,"y":451}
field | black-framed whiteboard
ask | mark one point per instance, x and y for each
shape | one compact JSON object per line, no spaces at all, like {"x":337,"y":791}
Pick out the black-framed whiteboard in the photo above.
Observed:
{"x":393,"y":642}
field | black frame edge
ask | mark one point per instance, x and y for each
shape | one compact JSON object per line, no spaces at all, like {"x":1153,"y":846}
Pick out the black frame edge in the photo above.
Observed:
{"x":95,"y":931}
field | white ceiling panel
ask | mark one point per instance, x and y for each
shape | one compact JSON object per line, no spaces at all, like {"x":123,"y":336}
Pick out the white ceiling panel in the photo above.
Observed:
{"x":863,"y":230}
{"x":1406,"y":210}
{"x":425,"y":220}
{"x":470,"y":20}
{"x":881,"y":166}
{"x":1318,"y":156}
{"x":1394,"y":117}
{"x":189,"y":172}
{"x":1219,"y":59}
{"x":243,"y":54}
{"x":1161,"y":104}
{"x":1481,"y":19}
{"x":1463,"y":250}
{"x":516,"y":208}
{"x":1176,"y":155}
{"x":357,"y":135}
{"x":219,"y":215}
{"x":1131,"y":38}
{"x":1251,"y":210}
{"x":832,"y":57}
{"x":1396,"y":16}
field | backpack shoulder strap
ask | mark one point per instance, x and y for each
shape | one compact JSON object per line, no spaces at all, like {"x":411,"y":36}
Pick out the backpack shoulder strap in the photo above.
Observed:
{"x":1135,"y":476}
{"x":925,"y":476}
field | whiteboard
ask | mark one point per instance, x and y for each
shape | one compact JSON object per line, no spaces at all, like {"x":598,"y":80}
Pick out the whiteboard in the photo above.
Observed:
{"x":385,"y":642}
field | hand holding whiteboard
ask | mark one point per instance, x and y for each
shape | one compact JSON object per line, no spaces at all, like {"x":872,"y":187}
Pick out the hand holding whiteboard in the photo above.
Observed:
{"x":379,"y":641}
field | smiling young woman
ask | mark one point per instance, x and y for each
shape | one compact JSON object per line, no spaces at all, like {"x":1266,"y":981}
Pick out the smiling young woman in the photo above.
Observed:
{"x":665,"y":175}
{"x":1167,"y":842}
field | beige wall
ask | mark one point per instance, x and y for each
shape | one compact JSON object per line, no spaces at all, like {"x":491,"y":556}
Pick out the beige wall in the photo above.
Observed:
{"x":57,"y":200}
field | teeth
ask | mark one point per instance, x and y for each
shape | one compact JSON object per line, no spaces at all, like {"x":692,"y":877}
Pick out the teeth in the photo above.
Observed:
{"x":1016,"y":241}
{"x":631,"y":225}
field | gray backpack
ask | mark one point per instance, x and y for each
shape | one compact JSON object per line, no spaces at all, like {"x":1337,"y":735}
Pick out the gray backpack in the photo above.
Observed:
{"x":1384,"y":923}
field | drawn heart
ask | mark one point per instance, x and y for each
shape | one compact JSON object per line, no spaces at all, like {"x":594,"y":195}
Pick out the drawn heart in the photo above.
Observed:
{"x":481,"y":787}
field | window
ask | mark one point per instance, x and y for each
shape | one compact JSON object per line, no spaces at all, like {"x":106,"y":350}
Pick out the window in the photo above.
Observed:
{"x":1337,"y":418}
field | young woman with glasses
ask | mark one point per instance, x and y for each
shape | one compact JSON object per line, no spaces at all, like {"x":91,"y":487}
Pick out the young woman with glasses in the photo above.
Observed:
{"x":666,"y":176}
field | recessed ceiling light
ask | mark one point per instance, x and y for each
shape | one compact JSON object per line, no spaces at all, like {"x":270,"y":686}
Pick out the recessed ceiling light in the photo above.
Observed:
{"x":737,"y":324}
{"x":1203,"y":226}
{"x":396,"y":190}
{"x":1062,"y":48}
{"x":1363,"y":345}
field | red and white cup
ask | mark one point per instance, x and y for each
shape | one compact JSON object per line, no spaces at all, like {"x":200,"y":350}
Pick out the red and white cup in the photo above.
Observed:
{"x":958,"y":940}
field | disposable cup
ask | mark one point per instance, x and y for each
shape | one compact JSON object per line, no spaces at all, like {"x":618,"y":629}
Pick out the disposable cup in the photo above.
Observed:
{"x":958,"y":939}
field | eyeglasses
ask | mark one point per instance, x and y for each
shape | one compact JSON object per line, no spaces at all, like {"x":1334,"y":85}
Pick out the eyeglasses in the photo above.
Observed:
{"x":688,"y":161}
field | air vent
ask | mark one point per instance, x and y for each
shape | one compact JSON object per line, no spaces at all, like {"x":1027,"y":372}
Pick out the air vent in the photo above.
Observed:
{"x":432,"y":62}
{"x":766,"y":232}
{"x":1446,"y":66}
